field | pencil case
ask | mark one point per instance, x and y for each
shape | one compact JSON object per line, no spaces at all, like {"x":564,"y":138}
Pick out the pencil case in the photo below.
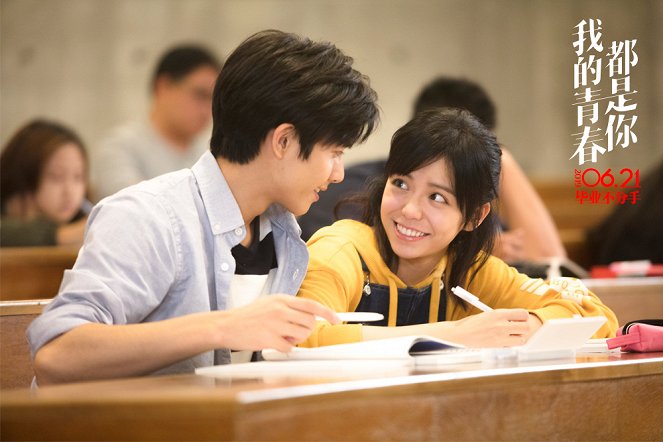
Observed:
{"x":645,"y":335}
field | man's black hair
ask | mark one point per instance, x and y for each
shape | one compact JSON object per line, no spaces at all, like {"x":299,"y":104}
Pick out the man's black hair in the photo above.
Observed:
{"x":274,"y":78}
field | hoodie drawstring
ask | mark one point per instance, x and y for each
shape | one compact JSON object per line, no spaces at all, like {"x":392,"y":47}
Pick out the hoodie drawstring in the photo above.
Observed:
{"x":393,"y":303}
{"x":434,"y":308}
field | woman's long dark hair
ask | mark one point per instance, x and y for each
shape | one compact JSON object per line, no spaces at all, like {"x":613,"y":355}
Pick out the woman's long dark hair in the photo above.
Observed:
{"x":474,"y":158}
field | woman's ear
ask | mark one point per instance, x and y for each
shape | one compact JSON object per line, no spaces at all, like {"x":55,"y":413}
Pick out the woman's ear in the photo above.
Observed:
{"x":481,"y":214}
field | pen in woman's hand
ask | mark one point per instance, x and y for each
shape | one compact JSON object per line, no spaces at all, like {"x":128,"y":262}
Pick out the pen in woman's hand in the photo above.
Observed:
{"x":469,"y":297}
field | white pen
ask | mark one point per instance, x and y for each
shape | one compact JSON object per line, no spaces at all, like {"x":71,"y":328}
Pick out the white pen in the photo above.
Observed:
{"x":469,"y":297}
{"x":356,"y":317}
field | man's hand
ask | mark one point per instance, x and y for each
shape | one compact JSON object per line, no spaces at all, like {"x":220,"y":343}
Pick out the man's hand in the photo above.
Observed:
{"x":275,"y":321}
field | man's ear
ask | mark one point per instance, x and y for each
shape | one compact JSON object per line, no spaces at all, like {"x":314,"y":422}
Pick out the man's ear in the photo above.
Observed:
{"x":481,"y":214}
{"x":281,"y":138}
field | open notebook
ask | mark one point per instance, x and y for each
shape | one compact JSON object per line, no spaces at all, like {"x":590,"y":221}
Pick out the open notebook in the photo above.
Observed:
{"x":391,"y":348}
{"x":557,"y":338}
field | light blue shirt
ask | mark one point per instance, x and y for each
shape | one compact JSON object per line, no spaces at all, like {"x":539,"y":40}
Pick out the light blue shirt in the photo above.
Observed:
{"x":161,"y":249}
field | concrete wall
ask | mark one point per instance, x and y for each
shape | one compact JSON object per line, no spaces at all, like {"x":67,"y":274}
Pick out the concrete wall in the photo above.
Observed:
{"x":87,"y":62}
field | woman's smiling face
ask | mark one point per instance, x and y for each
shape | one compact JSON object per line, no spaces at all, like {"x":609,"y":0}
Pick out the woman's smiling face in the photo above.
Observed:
{"x":420,"y":213}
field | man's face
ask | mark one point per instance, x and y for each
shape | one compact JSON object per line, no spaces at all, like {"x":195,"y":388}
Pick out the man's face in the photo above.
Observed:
{"x":302,"y":180}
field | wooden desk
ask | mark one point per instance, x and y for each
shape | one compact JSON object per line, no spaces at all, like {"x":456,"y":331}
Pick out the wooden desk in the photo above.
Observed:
{"x":33,"y":272}
{"x":15,"y":360}
{"x":595,"y":397}
{"x":630,"y":298}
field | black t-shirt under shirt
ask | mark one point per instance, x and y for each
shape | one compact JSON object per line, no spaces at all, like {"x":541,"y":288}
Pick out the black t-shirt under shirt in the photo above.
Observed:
{"x":255,"y":266}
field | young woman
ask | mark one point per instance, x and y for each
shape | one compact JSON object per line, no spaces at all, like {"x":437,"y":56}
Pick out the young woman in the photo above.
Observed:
{"x":428,"y":226}
{"x":43,"y":173}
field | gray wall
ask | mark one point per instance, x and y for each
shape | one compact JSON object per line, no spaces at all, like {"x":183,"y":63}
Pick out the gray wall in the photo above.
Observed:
{"x":87,"y":62}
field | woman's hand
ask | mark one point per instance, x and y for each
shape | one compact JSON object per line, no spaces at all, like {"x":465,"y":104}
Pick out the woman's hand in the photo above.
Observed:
{"x":496,"y":328}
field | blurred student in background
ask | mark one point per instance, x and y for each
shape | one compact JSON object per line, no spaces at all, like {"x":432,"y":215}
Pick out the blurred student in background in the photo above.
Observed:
{"x":530,"y":231}
{"x":172,"y":137}
{"x":43,"y":181}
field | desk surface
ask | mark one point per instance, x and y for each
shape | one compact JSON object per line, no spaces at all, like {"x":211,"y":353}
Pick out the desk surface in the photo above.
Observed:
{"x":597,"y":397}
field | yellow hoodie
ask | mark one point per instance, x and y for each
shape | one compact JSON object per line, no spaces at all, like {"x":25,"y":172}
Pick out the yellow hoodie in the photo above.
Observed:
{"x":335,"y":278}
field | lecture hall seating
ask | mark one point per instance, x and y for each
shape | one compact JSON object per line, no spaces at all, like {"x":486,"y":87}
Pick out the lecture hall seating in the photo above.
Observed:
{"x":15,"y":362}
{"x":33,"y":272}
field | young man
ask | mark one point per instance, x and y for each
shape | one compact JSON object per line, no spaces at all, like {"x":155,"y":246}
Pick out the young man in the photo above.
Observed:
{"x":172,"y":137}
{"x":174,"y":270}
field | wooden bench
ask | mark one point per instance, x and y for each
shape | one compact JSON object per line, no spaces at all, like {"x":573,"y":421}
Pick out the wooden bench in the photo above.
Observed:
{"x":15,"y":360}
{"x":33,"y":272}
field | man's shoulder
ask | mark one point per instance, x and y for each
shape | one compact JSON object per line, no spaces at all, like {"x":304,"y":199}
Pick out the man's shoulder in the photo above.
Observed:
{"x":170,"y":188}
